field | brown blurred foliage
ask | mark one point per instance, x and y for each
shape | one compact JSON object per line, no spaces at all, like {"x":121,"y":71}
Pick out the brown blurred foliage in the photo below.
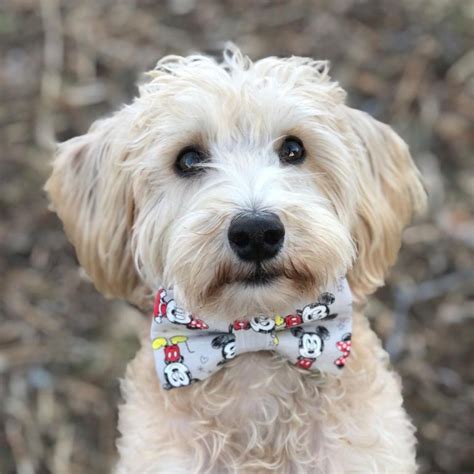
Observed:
{"x":65,"y":63}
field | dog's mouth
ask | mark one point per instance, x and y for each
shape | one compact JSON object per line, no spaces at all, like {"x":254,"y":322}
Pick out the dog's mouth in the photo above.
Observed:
{"x":260,"y":277}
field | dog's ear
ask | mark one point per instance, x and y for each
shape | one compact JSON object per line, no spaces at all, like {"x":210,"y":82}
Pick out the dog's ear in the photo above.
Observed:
{"x":90,"y":190}
{"x":390,"y":190}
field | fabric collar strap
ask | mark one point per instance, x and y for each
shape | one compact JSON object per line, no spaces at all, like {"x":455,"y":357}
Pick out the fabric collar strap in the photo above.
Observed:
{"x":315,"y":337}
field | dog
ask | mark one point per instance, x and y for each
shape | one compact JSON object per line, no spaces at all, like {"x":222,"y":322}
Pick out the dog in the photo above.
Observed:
{"x":247,"y":187}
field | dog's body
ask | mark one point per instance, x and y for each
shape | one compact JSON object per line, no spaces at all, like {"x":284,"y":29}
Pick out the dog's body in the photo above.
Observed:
{"x":262,"y":415}
{"x":162,"y":193}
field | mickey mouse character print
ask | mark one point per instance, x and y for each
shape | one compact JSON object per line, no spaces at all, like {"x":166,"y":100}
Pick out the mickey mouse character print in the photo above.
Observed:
{"x":344,"y":345}
{"x":166,"y":307}
{"x":318,"y":343}
{"x":319,"y":310}
{"x":310,"y":313}
{"x":264,"y":325}
{"x":310,"y":346}
{"x":226,"y":343}
{"x":176,"y":373}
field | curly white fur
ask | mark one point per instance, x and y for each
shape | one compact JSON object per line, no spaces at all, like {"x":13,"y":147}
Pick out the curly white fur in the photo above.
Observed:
{"x":136,"y":225}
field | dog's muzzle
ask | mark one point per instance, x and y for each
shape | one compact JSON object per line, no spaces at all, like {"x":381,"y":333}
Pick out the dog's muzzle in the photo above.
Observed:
{"x":256,"y":237}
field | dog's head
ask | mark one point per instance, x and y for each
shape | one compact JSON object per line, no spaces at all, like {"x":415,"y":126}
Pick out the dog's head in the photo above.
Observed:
{"x":244,"y":185}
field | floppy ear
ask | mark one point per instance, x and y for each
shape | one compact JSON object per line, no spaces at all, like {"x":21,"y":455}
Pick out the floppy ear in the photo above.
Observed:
{"x":390,"y":190}
{"x":91,"y":192}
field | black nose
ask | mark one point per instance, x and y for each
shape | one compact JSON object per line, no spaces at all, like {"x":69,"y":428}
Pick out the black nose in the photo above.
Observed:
{"x":256,"y":237}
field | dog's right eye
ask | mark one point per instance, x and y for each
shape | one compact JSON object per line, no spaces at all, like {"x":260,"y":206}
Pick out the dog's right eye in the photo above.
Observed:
{"x":189,"y":161}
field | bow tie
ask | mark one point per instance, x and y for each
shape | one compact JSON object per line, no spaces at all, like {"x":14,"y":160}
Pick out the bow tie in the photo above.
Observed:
{"x":314,"y":337}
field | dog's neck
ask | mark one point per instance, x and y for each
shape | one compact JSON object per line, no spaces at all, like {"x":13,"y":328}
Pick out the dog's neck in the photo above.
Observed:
{"x":188,"y":348}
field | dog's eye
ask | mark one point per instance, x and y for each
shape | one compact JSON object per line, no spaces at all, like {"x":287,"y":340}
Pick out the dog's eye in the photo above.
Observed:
{"x":292,"y":151}
{"x":189,"y":161}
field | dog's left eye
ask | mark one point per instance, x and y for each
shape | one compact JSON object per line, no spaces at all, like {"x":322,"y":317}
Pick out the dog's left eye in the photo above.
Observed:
{"x":189,"y":161}
{"x":292,"y":151}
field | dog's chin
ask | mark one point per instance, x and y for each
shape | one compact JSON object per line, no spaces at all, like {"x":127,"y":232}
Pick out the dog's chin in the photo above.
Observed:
{"x":258,"y":294}
{"x":274,"y":289}
{"x":260,"y":277}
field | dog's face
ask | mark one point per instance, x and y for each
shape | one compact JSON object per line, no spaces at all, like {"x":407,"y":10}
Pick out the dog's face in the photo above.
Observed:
{"x":245,"y":186}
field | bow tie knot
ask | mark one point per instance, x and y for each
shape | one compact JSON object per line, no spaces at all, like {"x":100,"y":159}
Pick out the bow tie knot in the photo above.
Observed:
{"x":186,"y":349}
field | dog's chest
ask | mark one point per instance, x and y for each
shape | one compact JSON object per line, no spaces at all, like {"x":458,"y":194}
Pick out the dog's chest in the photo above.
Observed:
{"x":259,"y":404}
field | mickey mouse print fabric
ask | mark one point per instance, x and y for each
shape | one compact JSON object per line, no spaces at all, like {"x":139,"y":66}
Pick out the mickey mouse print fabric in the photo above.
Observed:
{"x":314,"y":337}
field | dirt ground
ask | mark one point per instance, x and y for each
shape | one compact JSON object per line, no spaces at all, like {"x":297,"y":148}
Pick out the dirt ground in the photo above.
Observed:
{"x":64,"y":63}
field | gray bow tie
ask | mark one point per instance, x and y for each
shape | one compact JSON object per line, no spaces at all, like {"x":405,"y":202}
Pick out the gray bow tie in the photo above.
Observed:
{"x":315,"y":337}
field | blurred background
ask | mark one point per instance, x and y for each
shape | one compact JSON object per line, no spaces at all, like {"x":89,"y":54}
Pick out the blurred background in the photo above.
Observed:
{"x":64,"y":63}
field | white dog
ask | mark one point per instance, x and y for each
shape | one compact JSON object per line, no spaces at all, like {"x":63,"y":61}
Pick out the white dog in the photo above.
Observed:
{"x":247,"y":188}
